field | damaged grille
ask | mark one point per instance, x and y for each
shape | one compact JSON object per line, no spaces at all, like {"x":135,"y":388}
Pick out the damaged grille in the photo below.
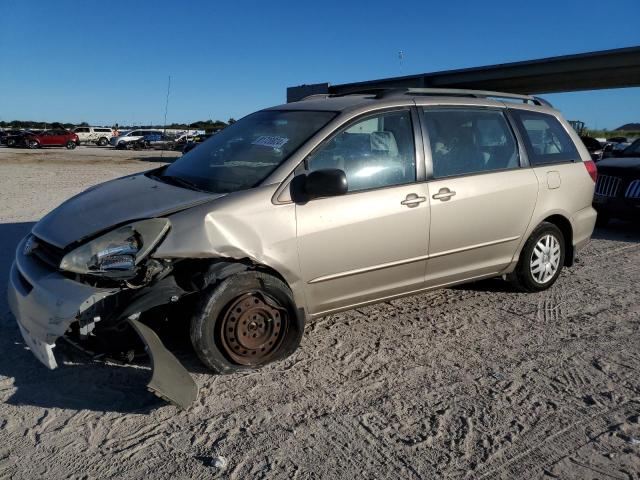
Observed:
{"x":48,"y":254}
{"x":607,"y":186}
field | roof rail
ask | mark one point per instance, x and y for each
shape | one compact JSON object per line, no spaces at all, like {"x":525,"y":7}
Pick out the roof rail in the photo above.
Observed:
{"x":455,"y":92}
{"x":448,"y":92}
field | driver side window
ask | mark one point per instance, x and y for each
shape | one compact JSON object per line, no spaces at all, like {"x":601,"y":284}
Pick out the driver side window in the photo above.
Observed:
{"x":377,"y":151}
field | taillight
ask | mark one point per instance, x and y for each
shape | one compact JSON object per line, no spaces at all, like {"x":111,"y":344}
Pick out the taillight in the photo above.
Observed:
{"x":592,"y":169}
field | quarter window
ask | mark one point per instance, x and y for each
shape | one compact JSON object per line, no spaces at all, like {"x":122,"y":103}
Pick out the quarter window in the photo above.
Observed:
{"x":465,"y":141}
{"x":545,"y":139}
{"x":375,"y":152}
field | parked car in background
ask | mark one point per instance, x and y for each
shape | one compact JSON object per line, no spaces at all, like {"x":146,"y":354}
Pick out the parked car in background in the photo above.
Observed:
{"x":197,"y":140}
{"x":617,"y":193}
{"x":594,"y":147}
{"x":156,"y":140}
{"x":18,"y":139}
{"x":98,"y":135}
{"x":626,"y":149}
{"x":303,"y":210}
{"x":126,"y":138}
{"x":51,"y":138}
{"x":5,"y":134}
{"x":633,"y":150}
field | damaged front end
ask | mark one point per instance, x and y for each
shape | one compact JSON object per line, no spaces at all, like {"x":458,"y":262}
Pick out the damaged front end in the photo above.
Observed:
{"x":98,"y":288}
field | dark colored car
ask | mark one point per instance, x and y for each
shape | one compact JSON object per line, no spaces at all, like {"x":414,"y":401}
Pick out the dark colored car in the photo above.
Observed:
{"x":19,"y":139}
{"x":156,"y":140}
{"x":617,"y":193}
{"x":51,"y":138}
{"x":6,"y":134}
{"x":632,"y":150}
{"x":593,"y":147}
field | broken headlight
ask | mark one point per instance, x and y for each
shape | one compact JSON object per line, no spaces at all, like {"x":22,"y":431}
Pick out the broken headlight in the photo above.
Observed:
{"x":120,"y":250}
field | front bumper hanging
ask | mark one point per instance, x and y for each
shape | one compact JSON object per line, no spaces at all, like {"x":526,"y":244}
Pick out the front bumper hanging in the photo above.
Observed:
{"x":46,"y":303}
{"x":170,"y":380}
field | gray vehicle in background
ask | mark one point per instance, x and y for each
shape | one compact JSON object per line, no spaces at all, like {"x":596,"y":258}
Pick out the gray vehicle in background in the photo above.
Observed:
{"x":303,"y":210}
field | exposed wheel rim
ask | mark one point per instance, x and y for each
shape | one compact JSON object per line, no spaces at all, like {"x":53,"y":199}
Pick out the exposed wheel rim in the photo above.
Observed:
{"x":545,"y":259}
{"x":253,"y":328}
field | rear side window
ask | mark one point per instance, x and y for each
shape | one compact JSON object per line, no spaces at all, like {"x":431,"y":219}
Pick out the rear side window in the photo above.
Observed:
{"x":545,"y":139}
{"x":466,"y":141}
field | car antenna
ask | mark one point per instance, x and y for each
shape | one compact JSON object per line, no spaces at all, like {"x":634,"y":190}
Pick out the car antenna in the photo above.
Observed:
{"x":166,"y":108}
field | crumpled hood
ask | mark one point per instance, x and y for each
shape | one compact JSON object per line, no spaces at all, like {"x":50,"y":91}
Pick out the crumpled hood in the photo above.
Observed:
{"x":114,"y":203}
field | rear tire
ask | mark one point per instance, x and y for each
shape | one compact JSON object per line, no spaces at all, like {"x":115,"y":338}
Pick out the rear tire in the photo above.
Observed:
{"x":245,"y":322}
{"x":33,"y":144}
{"x":103,"y":141}
{"x":11,"y":142}
{"x":541,"y":259}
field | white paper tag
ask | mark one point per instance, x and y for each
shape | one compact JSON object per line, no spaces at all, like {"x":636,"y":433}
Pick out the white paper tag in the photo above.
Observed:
{"x":270,"y":141}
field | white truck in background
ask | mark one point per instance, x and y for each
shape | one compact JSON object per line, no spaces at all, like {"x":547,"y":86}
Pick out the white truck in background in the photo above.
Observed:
{"x":98,"y":135}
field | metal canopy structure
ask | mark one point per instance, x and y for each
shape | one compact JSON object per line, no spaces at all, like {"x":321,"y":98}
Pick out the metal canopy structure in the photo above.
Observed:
{"x":568,"y":73}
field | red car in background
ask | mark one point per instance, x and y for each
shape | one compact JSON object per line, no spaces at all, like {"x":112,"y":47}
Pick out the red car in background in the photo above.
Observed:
{"x":51,"y":138}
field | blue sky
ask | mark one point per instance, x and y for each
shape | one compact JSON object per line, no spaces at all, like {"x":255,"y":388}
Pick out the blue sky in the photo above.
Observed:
{"x":106,"y":62}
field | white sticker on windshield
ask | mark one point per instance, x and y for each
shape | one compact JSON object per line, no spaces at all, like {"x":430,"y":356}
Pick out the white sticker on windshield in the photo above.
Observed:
{"x":270,"y":141}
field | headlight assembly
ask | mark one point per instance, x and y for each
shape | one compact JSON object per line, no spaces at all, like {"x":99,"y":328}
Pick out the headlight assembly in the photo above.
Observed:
{"x":120,"y":250}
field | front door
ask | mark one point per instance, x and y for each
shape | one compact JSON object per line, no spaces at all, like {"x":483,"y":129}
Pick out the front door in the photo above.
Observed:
{"x":482,"y":199}
{"x":372,"y":242}
{"x":48,"y":138}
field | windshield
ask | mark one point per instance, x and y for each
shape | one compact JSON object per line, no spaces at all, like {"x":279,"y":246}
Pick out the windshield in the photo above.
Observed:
{"x":246,"y":152}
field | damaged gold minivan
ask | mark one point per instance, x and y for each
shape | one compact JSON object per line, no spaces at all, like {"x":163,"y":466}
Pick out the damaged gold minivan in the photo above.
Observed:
{"x":303,"y":210}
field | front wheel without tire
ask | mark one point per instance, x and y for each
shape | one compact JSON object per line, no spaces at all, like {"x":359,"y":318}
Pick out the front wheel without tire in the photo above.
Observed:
{"x":541,"y":259}
{"x":246,"y":321}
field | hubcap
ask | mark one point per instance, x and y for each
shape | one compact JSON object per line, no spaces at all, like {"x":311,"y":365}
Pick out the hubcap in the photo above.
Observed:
{"x":252,"y":329}
{"x":545,"y":259}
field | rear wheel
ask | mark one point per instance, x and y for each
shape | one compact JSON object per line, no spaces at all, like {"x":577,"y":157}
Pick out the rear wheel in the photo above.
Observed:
{"x":33,"y":144}
{"x":541,"y":259}
{"x":246,"y":321}
{"x":103,"y":141}
{"x":11,"y":142}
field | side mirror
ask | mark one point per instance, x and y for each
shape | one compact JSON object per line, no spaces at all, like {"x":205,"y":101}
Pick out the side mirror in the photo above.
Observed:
{"x":328,"y":182}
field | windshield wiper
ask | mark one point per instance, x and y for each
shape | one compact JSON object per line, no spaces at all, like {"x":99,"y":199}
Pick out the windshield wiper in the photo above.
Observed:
{"x":181,"y":182}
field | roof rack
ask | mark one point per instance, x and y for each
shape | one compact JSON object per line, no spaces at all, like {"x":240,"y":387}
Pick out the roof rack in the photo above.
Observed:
{"x":445,"y":92}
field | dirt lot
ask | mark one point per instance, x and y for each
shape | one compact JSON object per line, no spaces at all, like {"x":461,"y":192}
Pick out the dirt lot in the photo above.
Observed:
{"x":469,"y":382}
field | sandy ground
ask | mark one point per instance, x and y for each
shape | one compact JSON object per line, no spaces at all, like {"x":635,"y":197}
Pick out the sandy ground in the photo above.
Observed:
{"x":471,"y":382}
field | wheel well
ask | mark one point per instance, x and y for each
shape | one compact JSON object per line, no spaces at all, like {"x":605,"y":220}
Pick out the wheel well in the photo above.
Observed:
{"x":567,"y":232}
{"x":201,"y":273}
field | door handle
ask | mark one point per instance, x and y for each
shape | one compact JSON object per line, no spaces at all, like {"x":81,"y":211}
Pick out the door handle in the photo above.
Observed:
{"x":444,"y":194}
{"x":412,"y":200}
